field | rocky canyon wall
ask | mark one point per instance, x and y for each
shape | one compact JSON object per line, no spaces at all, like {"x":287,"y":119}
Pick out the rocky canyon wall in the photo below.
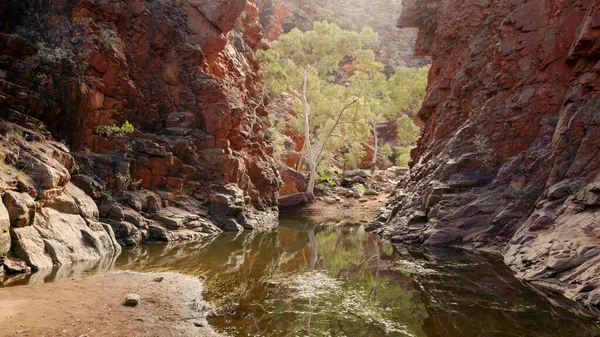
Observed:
{"x":182,"y":72}
{"x":510,"y":154}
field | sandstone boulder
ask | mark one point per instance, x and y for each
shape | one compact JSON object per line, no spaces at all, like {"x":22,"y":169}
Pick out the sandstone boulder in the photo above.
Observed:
{"x":86,"y":207}
{"x":293,"y":200}
{"x":61,"y":238}
{"x":21,"y":208}
{"x":293,"y":181}
{"x":4,"y":231}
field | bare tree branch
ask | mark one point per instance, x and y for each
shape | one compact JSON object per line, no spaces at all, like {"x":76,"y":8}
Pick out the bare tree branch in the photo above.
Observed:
{"x":262,"y":99}
{"x":337,"y":121}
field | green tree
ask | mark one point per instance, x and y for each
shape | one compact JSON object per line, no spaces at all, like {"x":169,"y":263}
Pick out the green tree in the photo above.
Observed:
{"x":394,"y":97}
{"x":304,"y":64}
{"x":339,"y":111}
{"x":408,"y":131}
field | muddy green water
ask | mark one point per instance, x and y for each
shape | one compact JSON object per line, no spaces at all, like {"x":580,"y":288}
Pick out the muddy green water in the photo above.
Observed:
{"x":331,"y":278}
{"x":317,"y":277}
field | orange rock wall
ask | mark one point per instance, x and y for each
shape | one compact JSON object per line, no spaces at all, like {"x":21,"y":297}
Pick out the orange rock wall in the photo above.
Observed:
{"x":182,"y":72}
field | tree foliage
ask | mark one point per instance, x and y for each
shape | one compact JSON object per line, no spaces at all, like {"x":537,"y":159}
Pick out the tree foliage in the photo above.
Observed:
{"x":338,"y":110}
{"x":408,"y":131}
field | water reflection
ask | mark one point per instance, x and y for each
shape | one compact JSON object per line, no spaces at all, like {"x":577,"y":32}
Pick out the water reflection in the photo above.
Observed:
{"x":324,"y":278}
{"x":76,"y":270}
{"x":472,"y":295}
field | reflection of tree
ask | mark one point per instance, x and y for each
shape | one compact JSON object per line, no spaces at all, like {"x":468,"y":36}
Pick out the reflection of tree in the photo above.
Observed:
{"x":355,"y":256}
{"x":303,"y":279}
{"x":342,"y":292}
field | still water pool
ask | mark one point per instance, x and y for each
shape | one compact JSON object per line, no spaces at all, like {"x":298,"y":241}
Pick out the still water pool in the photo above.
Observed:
{"x":317,"y":277}
{"x":328,"y":277}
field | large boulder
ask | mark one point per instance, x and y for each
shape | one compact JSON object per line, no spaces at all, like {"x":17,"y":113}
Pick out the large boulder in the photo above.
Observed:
{"x":293,"y":181}
{"x":60,"y":238}
{"x":29,"y":246}
{"x":226,"y":207}
{"x":4,"y":232}
{"x":293,"y":200}
{"x":63,"y":231}
{"x":21,"y":208}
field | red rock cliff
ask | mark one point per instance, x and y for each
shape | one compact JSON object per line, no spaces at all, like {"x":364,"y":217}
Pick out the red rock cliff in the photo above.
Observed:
{"x":510,"y":155}
{"x":182,"y":72}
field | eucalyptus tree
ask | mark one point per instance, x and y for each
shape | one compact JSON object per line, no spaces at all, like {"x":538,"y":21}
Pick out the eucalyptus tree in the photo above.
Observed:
{"x":395,"y":97}
{"x":305,"y":65}
{"x":336,"y":107}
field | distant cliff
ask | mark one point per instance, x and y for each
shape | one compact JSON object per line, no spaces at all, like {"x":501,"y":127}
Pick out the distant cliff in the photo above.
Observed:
{"x":182,"y":73}
{"x":510,"y":155}
{"x":281,"y":16}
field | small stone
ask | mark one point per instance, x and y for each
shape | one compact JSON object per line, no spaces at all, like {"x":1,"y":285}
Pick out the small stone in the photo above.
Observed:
{"x":371,"y":192}
{"x":132,"y":300}
{"x":15,"y":266}
{"x":159,"y":279}
{"x":199,"y":324}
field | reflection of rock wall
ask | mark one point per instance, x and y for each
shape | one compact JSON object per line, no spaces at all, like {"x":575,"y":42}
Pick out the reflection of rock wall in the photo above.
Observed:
{"x":182,"y":72}
{"x":508,"y":160}
{"x":461,"y":302}
{"x":62,"y":272}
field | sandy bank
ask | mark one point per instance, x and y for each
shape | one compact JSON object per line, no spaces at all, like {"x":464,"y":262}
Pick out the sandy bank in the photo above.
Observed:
{"x":93,"y":306}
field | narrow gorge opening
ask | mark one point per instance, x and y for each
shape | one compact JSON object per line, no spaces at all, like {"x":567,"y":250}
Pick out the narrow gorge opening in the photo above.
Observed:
{"x":299,"y":168}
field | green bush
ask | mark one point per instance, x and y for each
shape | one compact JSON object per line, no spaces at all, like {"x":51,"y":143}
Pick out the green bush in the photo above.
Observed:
{"x":328,"y":175}
{"x":360,"y":187}
{"x":403,"y":156}
{"x":408,"y":131}
{"x":113,"y":130}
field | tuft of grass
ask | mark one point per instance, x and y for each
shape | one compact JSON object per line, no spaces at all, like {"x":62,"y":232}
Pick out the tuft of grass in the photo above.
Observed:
{"x":22,"y":176}
{"x":14,"y":135}
{"x":485,"y":152}
{"x":114,"y":130}
{"x":4,"y":167}
{"x":127,"y":182}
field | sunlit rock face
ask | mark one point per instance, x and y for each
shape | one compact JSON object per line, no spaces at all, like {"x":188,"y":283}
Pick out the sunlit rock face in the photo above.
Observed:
{"x":509,"y":156}
{"x":182,"y":72}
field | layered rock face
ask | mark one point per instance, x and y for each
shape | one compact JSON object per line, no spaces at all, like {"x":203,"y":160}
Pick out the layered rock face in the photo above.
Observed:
{"x":45,"y":220}
{"x":182,"y":72}
{"x":509,"y":157}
